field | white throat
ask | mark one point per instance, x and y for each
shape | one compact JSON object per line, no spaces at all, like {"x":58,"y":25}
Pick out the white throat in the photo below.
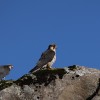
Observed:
{"x":10,"y":67}
{"x":53,"y":49}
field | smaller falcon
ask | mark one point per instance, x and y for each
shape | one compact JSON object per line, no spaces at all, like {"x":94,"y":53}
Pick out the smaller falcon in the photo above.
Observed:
{"x":4,"y":70}
{"x":47,"y":59}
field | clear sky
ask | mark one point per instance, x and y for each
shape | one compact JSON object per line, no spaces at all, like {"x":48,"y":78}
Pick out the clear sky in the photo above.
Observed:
{"x":27,"y":27}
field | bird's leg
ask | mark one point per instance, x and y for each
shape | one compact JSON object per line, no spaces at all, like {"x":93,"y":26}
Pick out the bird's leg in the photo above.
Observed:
{"x":48,"y":67}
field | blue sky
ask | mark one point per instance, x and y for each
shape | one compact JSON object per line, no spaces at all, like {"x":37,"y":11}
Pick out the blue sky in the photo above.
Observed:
{"x":27,"y":27}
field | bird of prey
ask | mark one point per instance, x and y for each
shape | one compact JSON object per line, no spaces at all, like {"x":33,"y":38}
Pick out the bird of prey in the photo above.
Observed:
{"x":4,"y":70}
{"x":47,"y":59}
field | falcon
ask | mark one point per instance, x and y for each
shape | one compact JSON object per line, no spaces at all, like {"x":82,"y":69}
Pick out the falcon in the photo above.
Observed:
{"x":47,"y":59}
{"x":4,"y":70}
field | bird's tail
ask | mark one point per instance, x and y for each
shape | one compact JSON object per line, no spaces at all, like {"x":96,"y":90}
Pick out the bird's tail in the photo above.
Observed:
{"x":36,"y":68}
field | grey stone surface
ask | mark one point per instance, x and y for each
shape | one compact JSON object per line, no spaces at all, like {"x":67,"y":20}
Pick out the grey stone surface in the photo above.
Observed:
{"x":71,"y":83}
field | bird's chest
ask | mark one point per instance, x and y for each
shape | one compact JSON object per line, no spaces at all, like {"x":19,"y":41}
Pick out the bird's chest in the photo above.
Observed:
{"x":54,"y":59}
{"x":52,"y":62}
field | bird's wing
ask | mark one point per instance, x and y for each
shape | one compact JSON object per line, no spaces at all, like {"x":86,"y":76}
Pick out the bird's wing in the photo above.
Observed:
{"x":3,"y":72}
{"x":46,"y":57}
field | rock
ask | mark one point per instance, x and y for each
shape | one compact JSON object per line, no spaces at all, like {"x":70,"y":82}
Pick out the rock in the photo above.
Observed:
{"x":69,"y":83}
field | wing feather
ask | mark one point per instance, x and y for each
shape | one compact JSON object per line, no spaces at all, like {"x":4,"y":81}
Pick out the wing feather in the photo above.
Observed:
{"x":46,"y":57}
{"x":4,"y":71}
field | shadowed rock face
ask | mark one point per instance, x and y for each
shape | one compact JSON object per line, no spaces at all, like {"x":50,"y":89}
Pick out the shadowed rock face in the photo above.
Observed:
{"x":69,"y":83}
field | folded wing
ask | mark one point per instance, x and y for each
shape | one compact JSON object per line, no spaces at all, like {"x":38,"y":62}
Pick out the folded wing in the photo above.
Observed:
{"x":46,"y":57}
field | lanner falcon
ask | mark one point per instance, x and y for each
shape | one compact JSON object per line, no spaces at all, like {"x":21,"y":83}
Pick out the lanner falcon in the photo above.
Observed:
{"x":4,"y":70}
{"x":47,"y":59}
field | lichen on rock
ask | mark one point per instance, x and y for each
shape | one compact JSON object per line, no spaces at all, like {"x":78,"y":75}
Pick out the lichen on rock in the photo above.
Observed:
{"x":70,"y":83}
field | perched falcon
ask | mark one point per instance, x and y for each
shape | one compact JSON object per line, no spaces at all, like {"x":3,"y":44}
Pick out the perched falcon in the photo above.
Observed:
{"x":4,"y":70}
{"x":47,"y":59}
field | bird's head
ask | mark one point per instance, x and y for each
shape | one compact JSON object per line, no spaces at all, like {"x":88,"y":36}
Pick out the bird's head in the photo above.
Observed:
{"x":52,"y":47}
{"x":10,"y":67}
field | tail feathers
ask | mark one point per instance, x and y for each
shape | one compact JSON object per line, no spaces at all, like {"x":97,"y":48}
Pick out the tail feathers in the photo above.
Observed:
{"x":36,"y":68}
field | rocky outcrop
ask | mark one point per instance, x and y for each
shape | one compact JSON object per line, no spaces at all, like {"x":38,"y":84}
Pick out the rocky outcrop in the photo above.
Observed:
{"x":69,"y":83}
